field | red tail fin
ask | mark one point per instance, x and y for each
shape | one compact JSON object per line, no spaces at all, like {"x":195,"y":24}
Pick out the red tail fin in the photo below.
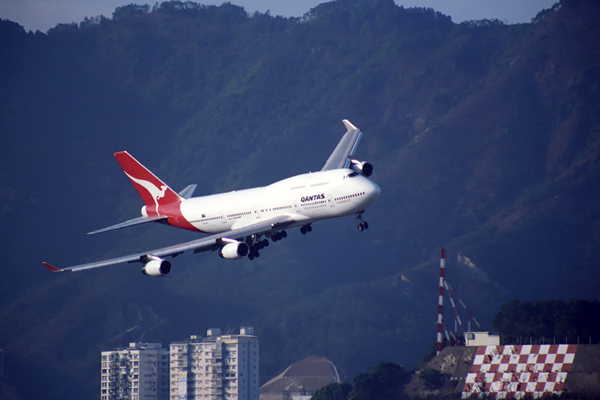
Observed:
{"x":152,"y":190}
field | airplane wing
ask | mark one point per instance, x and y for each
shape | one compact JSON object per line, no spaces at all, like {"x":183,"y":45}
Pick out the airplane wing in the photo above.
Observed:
{"x":340,"y":158}
{"x":198,"y":245}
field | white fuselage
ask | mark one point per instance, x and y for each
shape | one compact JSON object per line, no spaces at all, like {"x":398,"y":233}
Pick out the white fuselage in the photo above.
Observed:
{"x":307,"y":198}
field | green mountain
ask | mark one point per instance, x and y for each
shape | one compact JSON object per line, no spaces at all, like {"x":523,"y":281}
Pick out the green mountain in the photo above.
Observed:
{"x":485,"y":140}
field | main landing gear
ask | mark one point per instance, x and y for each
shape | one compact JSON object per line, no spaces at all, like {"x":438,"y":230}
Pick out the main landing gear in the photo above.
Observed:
{"x":256,"y":243}
{"x":305,"y":229}
{"x":362,"y":225}
{"x":278,"y":236}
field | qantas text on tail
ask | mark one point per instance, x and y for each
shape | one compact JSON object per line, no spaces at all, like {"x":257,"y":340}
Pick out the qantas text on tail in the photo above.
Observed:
{"x":240,"y":223}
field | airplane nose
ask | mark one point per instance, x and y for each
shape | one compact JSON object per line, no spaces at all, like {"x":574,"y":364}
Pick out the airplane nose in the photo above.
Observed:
{"x":374,"y":191}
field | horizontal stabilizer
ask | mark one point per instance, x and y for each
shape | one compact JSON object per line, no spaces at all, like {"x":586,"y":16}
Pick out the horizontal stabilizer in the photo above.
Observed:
{"x":188,"y":191}
{"x":131,"y":222}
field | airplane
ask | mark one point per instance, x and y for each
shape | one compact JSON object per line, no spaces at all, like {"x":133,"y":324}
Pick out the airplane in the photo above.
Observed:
{"x":239,"y":223}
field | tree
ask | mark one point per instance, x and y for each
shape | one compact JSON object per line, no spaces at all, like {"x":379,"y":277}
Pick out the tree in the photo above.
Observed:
{"x":335,"y":391}
{"x":126,"y":12}
{"x":562,"y":319}
{"x":432,"y":378}
{"x":383,"y":381}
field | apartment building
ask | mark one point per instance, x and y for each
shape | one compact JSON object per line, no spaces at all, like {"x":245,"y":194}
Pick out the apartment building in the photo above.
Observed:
{"x":215,"y":367}
{"x":137,"y":372}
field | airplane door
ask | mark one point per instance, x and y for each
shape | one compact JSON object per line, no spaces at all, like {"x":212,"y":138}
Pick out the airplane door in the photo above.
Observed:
{"x":331,"y":201}
{"x":297,"y":207}
{"x":223,"y":217}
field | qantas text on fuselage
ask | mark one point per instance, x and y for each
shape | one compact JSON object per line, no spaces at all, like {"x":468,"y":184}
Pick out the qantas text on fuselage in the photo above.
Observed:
{"x":240,"y":223}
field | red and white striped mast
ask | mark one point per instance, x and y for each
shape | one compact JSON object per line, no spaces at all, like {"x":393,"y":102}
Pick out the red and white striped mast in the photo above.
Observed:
{"x":456,"y":316}
{"x":471,"y":317}
{"x":441,"y":301}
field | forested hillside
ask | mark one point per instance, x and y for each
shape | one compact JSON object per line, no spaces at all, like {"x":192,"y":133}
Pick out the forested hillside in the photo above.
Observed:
{"x":550,"y":319}
{"x":485,"y":140}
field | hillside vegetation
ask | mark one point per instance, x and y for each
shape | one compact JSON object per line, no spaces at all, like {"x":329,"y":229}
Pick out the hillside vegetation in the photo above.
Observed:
{"x":485,"y":140}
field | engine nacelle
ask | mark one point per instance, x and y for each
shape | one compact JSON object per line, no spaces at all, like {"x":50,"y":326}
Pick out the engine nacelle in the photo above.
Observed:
{"x":157,"y":267}
{"x":362,"y":167}
{"x":234,"y":250}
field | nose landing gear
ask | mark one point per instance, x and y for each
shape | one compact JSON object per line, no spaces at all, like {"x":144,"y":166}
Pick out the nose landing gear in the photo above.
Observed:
{"x":362,"y":225}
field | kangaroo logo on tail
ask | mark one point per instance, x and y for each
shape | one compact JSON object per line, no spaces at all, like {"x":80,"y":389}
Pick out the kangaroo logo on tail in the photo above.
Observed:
{"x":156,"y":193}
{"x":152,"y":190}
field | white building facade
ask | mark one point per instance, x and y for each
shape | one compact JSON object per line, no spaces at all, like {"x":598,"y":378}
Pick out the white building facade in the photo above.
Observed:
{"x":216,"y":367}
{"x":481,"y":339}
{"x":137,"y":372}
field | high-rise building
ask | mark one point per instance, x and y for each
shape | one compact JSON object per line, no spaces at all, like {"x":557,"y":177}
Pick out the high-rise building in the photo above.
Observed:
{"x":215,"y":367}
{"x":137,"y":372}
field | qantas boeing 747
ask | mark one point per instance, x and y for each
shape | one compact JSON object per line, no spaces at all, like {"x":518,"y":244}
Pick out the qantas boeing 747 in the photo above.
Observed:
{"x":241,"y":222}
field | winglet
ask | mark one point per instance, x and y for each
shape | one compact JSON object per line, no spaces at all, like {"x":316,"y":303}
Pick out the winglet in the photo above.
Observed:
{"x":51,"y":267}
{"x":340,"y":158}
{"x":349,"y":125}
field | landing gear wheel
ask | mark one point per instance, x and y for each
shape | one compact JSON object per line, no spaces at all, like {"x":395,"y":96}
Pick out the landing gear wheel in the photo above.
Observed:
{"x":278,"y":236}
{"x":362,"y":225}
{"x":255,"y":244}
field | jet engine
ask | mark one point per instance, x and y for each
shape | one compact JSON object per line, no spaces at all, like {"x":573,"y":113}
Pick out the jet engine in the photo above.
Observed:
{"x":234,"y":250}
{"x":361,"y":167}
{"x":157,"y":267}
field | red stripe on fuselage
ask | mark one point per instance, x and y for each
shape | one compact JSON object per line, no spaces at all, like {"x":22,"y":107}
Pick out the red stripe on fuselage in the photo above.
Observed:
{"x":175,"y":217}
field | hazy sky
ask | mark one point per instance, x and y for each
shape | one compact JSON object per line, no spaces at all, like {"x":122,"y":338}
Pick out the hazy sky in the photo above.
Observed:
{"x":45,"y":14}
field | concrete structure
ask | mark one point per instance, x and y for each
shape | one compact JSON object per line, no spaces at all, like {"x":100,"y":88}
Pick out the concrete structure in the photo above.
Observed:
{"x":215,"y":367}
{"x":137,"y":372}
{"x":481,"y":339}
{"x":300,"y":380}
